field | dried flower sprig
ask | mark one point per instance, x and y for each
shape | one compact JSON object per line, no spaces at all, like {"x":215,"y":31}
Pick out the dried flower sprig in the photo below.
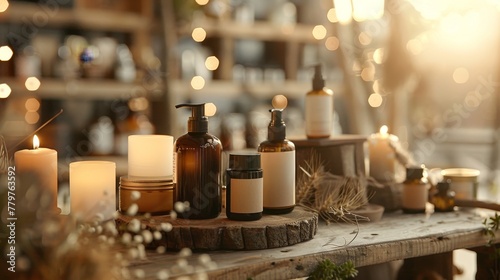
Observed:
{"x":333,"y":197}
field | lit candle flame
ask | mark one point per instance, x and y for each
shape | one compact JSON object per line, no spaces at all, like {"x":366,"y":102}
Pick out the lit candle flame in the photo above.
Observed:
{"x":383,"y":130}
{"x":36,"y":142}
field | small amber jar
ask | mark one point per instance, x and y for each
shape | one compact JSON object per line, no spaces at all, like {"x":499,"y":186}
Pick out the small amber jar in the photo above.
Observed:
{"x":444,"y":199}
{"x":415,"y":192}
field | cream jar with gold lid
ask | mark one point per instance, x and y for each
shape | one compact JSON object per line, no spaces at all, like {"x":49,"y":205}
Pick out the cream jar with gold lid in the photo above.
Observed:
{"x":153,"y":195}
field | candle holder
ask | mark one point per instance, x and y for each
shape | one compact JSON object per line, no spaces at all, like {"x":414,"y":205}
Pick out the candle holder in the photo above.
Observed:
{"x":141,"y":195}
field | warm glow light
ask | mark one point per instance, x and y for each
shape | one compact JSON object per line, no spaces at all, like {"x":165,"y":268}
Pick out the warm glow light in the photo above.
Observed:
{"x":4,"y":90}
{"x":197,"y":82}
{"x":31,"y":117}
{"x":364,"y":38}
{"x":332,"y":43}
{"x":332,"y":16}
{"x":384,"y":129}
{"x":4,"y":5}
{"x":343,"y":9}
{"x":375,"y":100}
{"x":202,"y":2}
{"x":367,"y":9}
{"x":279,"y":101}
{"x":210,"y":109}
{"x":32,"y":83}
{"x":212,"y":63}
{"x":368,"y":73}
{"x":378,"y":55}
{"x":199,"y":34}
{"x":36,"y":142}
{"x":138,"y":104}
{"x":32,"y":105}
{"x":460,"y":75}
{"x":319,"y":32}
{"x":5,"y":53}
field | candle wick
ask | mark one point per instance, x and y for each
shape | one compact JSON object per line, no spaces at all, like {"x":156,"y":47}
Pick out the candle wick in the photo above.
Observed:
{"x":36,"y":130}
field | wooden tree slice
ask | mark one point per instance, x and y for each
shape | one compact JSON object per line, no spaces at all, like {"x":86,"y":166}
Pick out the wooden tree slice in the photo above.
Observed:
{"x":272,"y":231}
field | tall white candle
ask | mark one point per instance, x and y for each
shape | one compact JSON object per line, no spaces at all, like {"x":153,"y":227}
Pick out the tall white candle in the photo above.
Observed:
{"x":92,"y":189}
{"x":150,"y":155}
{"x":383,"y":162}
{"x":42,"y":162}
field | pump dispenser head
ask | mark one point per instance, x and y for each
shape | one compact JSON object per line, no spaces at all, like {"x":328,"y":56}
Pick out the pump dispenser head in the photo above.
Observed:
{"x":198,"y":122}
{"x":276,"y":130}
{"x":318,"y":83}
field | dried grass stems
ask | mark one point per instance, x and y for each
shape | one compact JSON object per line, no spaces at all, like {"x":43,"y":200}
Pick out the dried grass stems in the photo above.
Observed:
{"x":333,"y":197}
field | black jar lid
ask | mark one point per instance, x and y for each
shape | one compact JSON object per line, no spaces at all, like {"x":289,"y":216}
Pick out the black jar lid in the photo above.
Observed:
{"x":250,"y":161}
{"x":414,"y":173}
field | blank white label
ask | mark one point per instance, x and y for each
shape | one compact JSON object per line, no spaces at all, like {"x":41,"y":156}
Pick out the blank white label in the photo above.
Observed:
{"x":246,"y":195}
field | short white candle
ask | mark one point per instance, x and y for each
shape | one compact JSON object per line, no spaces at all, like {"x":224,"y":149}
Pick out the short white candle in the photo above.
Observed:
{"x":42,"y":162}
{"x":92,"y":189}
{"x":383,"y":162}
{"x":150,"y":155}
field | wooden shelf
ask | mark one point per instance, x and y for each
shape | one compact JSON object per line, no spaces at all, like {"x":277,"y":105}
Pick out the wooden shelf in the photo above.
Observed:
{"x":80,"y":89}
{"x":94,"y":19}
{"x":289,"y":88}
{"x":259,"y":30}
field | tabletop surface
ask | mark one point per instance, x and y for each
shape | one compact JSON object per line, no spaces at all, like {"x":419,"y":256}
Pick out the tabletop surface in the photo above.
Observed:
{"x":396,"y":236}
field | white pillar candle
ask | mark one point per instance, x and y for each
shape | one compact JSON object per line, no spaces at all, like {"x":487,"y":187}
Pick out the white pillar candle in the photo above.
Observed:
{"x":150,"y":155}
{"x":92,"y":189}
{"x":383,"y":162}
{"x":42,"y":162}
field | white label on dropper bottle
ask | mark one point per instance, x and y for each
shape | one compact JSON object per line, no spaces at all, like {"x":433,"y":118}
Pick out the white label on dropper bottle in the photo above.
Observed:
{"x":319,"y":115}
{"x":279,"y":179}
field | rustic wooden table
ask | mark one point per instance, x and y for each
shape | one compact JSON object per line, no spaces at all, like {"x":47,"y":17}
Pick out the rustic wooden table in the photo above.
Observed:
{"x":396,"y":236}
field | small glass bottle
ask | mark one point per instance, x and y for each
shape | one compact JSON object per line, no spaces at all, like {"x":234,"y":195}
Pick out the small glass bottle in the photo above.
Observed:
{"x":415,"y":192}
{"x":278,"y":163}
{"x":244,"y":187}
{"x":444,"y":199}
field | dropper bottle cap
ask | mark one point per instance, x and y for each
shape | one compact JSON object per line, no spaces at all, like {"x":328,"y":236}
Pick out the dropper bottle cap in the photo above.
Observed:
{"x":198,"y":122}
{"x":318,"y":83}
{"x":276,"y":130}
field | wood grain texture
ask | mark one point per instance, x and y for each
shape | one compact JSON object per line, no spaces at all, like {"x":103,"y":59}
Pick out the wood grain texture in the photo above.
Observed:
{"x":272,"y":231}
{"x":396,"y":236}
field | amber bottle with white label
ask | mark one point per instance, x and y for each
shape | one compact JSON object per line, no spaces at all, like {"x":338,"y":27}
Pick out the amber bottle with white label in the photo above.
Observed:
{"x":415,"y":192}
{"x":278,"y":164}
{"x":319,"y":108}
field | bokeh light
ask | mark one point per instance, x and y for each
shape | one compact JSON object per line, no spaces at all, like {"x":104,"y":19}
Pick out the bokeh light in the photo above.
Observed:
{"x":32,"y":117}
{"x":199,"y":34}
{"x":197,"y":82}
{"x":368,"y":73}
{"x":138,"y":104}
{"x":202,"y":2}
{"x":32,"y":83}
{"x":5,"y":53}
{"x":319,"y":32}
{"x":210,"y":109}
{"x":212,"y":63}
{"x":332,"y":43}
{"x":332,"y":16}
{"x":375,"y":100}
{"x":343,"y":9}
{"x":378,"y":55}
{"x":4,"y":90}
{"x":279,"y":101}
{"x":4,"y":5}
{"x":32,"y":104}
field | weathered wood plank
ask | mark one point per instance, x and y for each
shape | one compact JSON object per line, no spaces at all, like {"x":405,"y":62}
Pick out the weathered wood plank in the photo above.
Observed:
{"x":397,"y":236}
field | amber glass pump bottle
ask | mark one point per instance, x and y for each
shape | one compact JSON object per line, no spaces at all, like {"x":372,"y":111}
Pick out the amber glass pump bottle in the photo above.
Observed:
{"x":319,"y":108}
{"x":197,"y":167}
{"x":278,"y":164}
